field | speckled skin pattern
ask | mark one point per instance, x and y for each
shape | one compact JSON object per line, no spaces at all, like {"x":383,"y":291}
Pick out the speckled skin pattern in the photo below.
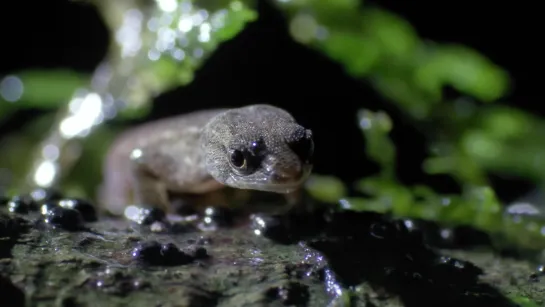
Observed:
{"x":257,"y":147}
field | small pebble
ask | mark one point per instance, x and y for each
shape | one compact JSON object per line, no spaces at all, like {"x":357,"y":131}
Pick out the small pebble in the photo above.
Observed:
{"x":148,"y":252}
{"x":201,"y":253}
{"x":158,"y":227}
{"x":84,"y":207}
{"x":22,"y":204}
{"x":153,"y":253}
{"x":144,"y":216}
{"x":65,"y":218}
{"x":198,"y":252}
{"x":172,"y":255}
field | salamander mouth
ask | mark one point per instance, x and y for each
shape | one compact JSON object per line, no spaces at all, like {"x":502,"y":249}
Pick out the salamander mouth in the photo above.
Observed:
{"x":273,"y":182}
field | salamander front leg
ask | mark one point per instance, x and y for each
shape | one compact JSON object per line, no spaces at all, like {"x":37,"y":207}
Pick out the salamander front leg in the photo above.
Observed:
{"x":148,"y":190}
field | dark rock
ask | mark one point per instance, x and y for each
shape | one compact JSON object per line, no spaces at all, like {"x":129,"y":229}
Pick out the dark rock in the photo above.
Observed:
{"x":12,"y":226}
{"x":354,"y":247}
{"x":10,"y":295}
{"x":172,"y":255}
{"x":65,"y":218}
{"x":86,"y":208}
{"x":22,"y":204}
{"x":200,"y":253}
{"x":153,"y":253}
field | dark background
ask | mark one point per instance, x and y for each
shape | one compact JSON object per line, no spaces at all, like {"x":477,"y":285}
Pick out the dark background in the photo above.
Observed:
{"x":264,"y":65}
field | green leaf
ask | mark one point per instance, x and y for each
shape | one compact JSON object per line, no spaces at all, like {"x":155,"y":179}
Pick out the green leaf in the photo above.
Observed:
{"x":402,"y":91}
{"x":326,"y":188}
{"x":235,"y":20}
{"x":357,"y":53}
{"x":480,"y":145}
{"x":47,"y":88}
{"x":464,"y":69}
{"x":6,"y":109}
{"x":523,"y":301}
{"x":376,"y":127}
{"x":505,"y":123}
{"x":395,"y":35}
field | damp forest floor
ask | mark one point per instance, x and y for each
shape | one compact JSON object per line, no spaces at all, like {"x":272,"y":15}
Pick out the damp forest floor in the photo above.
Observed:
{"x":326,"y":259}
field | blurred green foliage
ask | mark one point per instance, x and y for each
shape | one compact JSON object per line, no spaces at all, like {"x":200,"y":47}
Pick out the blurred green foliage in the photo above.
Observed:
{"x":43,"y":89}
{"x":468,"y":137}
{"x":523,"y":301}
{"x":175,"y":41}
{"x":165,"y":59}
{"x":381,"y":46}
{"x":477,"y":206}
{"x":18,"y":149}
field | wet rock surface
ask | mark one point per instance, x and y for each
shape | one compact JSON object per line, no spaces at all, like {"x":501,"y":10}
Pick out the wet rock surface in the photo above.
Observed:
{"x":327,"y":258}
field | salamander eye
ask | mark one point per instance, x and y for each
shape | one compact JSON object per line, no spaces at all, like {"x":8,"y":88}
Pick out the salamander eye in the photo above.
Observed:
{"x":243,"y":161}
{"x":237,"y":159}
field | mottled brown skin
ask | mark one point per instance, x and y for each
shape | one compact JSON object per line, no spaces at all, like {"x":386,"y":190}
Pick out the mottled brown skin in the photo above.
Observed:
{"x":257,"y":147}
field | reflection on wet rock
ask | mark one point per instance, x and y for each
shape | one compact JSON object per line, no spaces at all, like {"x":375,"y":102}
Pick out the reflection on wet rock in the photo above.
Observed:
{"x":84,"y":207}
{"x":216,"y":217}
{"x":22,"y":204}
{"x":292,"y":294}
{"x":65,"y":218}
{"x":350,"y":248}
{"x":144,"y":215}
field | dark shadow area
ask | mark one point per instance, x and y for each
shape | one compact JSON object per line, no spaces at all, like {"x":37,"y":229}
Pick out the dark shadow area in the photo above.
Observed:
{"x":394,"y":255}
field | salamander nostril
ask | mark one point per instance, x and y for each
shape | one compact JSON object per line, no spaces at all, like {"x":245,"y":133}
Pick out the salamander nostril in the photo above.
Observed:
{"x":302,"y":145}
{"x":287,"y":175}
